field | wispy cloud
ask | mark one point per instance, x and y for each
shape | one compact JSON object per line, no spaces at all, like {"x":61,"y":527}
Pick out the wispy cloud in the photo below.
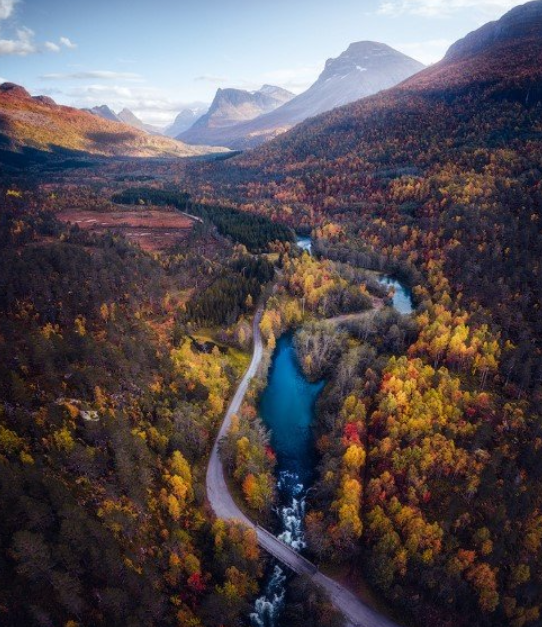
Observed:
{"x":217,"y":80}
{"x":150,"y":104}
{"x":295,"y":79}
{"x":6,"y":8}
{"x":444,"y":8}
{"x":51,"y":46}
{"x":67,"y":43}
{"x":22,"y":44}
{"x":93,"y":75}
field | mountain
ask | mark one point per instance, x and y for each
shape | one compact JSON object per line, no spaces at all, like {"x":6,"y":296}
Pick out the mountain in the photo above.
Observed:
{"x":230,"y":107}
{"x":106,"y":113}
{"x":364,"y":69}
{"x":124,"y":117}
{"x":127,"y":117}
{"x":40,"y":124}
{"x":186,"y":118}
{"x":518,"y":24}
{"x":437,"y":181}
{"x":499,"y":63}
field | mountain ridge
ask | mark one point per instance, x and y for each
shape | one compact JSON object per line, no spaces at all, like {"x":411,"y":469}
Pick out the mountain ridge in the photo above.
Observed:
{"x":364,"y":68}
{"x":41,"y":124}
{"x":231,"y":106}
{"x":185,"y":119}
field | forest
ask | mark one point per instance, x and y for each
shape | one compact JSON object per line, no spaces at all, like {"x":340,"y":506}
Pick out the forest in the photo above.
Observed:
{"x":108,"y":411}
{"x":256,"y":232}
{"x":429,"y":429}
{"x":118,"y":364}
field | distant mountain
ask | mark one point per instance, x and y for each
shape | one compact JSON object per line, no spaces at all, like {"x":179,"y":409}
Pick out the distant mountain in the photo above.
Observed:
{"x":186,"y":118}
{"x":105,"y":112}
{"x":364,"y":69}
{"x":127,"y":117}
{"x":439,"y":178}
{"x":232,"y":106}
{"x":39,"y":124}
{"x":473,"y":98}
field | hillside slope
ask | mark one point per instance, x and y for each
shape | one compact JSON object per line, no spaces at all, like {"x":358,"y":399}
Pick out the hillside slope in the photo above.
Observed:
{"x":41,"y":124}
{"x":437,"y":181}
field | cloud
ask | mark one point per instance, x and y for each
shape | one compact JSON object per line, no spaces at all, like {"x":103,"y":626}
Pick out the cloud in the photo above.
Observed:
{"x":67,"y":43}
{"x":444,"y":8}
{"x":63,"y":42}
{"x":295,"y":79}
{"x":51,"y":47}
{"x":212,"y":79}
{"x":6,"y":8}
{"x":22,"y":45}
{"x":427,"y":52}
{"x":93,"y":75}
{"x":22,"y":42}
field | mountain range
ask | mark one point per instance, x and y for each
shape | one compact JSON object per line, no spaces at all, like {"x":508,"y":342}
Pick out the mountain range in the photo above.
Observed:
{"x":38,"y":123}
{"x":241,"y":119}
{"x":500,"y":62}
{"x":186,"y":118}
{"x":365,"y":68}
{"x":231,"y":107}
{"x":125,"y":117}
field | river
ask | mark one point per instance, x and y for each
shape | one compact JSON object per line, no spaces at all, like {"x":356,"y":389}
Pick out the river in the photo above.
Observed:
{"x":402,"y":296}
{"x":287,"y":408}
{"x":305,"y":243}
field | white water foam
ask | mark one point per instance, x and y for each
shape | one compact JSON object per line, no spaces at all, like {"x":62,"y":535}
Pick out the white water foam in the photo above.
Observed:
{"x":269,"y":606}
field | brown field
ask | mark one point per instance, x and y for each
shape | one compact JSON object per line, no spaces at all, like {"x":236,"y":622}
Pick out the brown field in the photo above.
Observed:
{"x":153,"y":230}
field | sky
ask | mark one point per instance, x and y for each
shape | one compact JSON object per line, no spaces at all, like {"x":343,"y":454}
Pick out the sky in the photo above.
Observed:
{"x":155,"y":57}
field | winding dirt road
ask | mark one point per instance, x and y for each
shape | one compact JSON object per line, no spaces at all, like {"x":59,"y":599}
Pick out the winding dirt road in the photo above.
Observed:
{"x":356,"y":612}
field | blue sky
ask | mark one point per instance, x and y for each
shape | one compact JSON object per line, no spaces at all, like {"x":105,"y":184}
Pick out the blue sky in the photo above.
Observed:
{"x":155,"y":56}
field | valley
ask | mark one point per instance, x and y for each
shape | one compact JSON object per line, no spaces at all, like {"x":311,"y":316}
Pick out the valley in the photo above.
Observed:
{"x":276,"y":360}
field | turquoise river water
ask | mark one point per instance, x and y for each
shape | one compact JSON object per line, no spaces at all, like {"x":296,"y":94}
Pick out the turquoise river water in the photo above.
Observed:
{"x":287,"y":408}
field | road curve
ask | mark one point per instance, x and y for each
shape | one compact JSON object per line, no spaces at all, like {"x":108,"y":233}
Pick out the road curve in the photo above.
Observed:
{"x":356,"y":612}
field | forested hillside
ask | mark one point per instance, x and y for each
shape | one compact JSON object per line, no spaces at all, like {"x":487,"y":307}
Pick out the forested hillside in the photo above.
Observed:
{"x":431,"y":475}
{"x":31,"y":129}
{"x":109,"y":408}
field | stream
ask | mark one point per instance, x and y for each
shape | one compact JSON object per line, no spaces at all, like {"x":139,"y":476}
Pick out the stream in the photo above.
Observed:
{"x":287,"y":409}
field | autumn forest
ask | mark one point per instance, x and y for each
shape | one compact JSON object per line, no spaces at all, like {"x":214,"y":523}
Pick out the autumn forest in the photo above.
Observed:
{"x":382,"y":261}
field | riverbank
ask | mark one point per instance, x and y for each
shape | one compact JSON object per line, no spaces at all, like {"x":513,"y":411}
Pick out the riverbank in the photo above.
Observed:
{"x":223,"y":505}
